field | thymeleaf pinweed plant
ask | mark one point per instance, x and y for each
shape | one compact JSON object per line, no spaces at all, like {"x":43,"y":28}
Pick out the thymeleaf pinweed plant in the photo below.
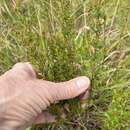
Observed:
{"x":64,"y":39}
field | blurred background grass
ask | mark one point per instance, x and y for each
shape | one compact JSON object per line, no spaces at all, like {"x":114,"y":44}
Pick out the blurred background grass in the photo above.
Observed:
{"x":64,"y":39}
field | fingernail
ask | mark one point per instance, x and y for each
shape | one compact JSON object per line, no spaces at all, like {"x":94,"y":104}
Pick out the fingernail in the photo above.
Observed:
{"x":83,"y":83}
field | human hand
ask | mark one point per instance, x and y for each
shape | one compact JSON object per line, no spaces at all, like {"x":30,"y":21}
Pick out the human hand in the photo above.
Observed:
{"x":23,"y":97}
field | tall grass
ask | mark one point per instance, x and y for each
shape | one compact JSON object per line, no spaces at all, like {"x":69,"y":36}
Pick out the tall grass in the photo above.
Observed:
{"x":65,"y":39}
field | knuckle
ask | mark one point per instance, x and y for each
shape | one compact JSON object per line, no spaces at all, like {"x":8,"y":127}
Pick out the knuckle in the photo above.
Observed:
{"x":70,"y":92}
{"x":26,"y":68}
{"x":73,"y":92}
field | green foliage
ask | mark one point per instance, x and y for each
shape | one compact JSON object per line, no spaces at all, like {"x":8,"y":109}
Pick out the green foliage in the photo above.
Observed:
{"x":64,"y":39}
{"x":118,"y":112}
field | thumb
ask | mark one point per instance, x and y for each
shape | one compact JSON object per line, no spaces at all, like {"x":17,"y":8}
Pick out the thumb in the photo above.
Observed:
{"x":70,"y":89}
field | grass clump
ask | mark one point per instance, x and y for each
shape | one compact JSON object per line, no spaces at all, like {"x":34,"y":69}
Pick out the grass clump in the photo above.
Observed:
{"x":65,"y":39}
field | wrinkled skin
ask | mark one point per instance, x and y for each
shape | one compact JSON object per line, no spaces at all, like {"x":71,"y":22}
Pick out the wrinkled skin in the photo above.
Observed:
{"x":23,"y":97}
